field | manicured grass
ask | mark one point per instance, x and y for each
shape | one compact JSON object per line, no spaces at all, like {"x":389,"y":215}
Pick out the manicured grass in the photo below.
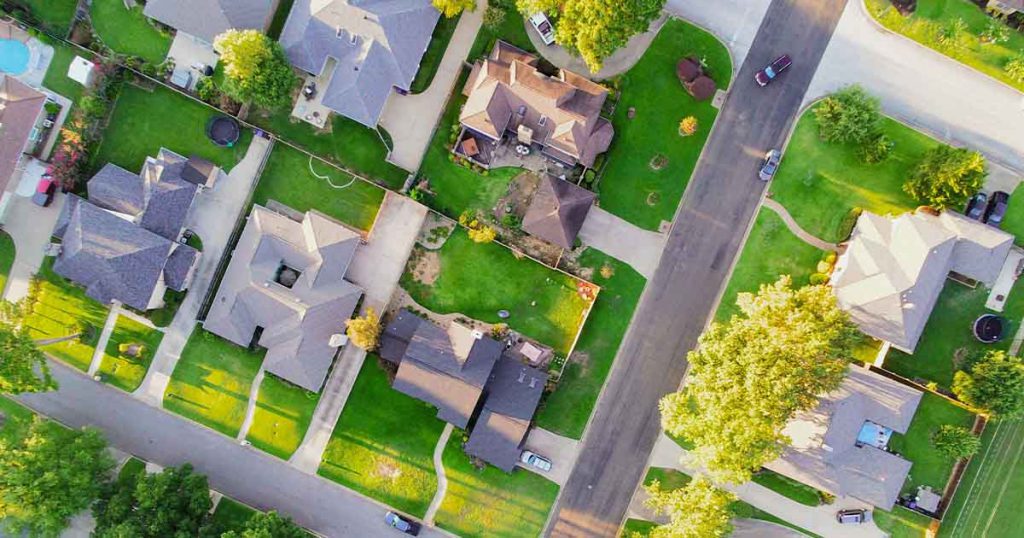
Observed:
{"x":131,"y":468}
{"x":282,"y":414}
{"x":347,"y":144}
{"x":1014,"y":220}
{"x":287,"y":179}
{"x":56,"y":78}
{"x":383,"y":444}
{"x":820,"y":183}
{"x":126,"y":373}
{"x":211,"y":382}
{"x":284,"y":7}
{"x":478,"y":280}
{"x":491,"y":502}
{"x":61,"y":309}
{"x":143,"y":121}
{"x":128,"y":31}
{"x":567,"y":409}
{"x":7,"y":252}
{"x":990,"y":498}
{"x":231,"y":515}
{"x":637,"y":526}
{"x":770,"y":251}
{"x":902,"y":523}
{"x":17,"y":419}
{"x":629,"y":187}
{"x":55,"y":15}
{"x":787,"y":487}
{"x":435,"y":51}
{"x":931,"y":467}
{"x":512,"y":30}
{"x":932,"y":15}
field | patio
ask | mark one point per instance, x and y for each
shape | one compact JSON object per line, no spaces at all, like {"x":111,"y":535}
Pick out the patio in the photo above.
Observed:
{"x":308,"y":105}
{"x":191,"y":57}
{"x":507,"y":153}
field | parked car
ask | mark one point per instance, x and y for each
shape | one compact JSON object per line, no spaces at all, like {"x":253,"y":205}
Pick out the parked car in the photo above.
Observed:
{"x":770,"y":165}
{"x":543,"y":26}
{"x":996,"y":209}
{"x":535,"y":461}
{"x":976,"y":207}
{"x":853,"y":516}
{"x":45,"y":190}
{"x":768,"y":74}
{"x":405,"y":525}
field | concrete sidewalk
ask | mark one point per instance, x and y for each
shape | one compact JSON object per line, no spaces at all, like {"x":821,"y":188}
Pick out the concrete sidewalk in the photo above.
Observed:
{"x":639,"y":248}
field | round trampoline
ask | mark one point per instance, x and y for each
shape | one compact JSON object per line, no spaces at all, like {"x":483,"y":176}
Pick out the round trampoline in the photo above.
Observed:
{"x":223,"y":131}
{"x":989,"y":328}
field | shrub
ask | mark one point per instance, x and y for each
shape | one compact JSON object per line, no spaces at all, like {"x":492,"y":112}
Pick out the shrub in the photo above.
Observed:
{"x":1014,"y":68}
{"x":955,"y":441}
{"x":952,"y":37}
{"x":511,"y":220}
{"x":482,"y":234}
{"x":207,"y":90}
{"x":996,"y":31}
{"x":688,"y":126}
{"x":947,"y":177}
{"x":818,"y":279}
{"x":849,"y":221}
{"x":849,"y":115}
{"x":364,"y":332}
{"x":493,"y":17}
{"x":876,"y":149}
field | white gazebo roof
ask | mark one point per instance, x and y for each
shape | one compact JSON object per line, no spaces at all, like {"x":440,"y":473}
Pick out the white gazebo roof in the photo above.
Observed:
{"x":81,"y":71}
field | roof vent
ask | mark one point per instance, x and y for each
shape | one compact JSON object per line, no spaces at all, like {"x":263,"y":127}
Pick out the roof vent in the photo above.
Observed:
{"x":477,"y":335}
{"x":533,"y":382}
{"x":522,"y":376}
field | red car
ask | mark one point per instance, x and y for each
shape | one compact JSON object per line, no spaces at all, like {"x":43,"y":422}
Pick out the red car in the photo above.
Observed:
{"x":768,"y":74}
{"x":44,"y":191}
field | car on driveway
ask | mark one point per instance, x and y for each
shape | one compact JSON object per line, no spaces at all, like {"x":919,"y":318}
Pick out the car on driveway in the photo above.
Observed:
{"x":536,"y":461}
{"x":405,"y":525}
{"x":996,"y":209}
{"x":45,"y":190}
{"x":770,"y":165}
{"x":976,"y":207}
{"x":853,"y":516}
{"x":768,"y":74}
{"x":543,"y":26}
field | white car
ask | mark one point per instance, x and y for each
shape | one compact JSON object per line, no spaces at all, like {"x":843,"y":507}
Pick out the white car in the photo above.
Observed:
{"x":535,"y":461}
{"x":540,"y":21}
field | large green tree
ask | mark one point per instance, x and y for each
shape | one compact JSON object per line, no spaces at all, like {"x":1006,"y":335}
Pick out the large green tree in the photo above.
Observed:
{"x":268,"y":525}
{"x":947,"y":177}
{"x":994,"y":383}
{"x":49,"y":475}
{"x":255,"y":68}
{"x":848,"y":115}
{"x":174,"y":503}
{"x":749,"y":375}
{"x":23,"y":366}
{"x":697,"y":510}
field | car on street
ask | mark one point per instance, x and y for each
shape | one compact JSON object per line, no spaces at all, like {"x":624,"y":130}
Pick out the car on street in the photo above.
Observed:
{"x":770,"y":165}
{"x":536,"y":461}
{"x":996,"y":209}
{"x":768,"y":74}
{"x":405,"y":525}
{"x":976,"y":206}
{"x":45,"y":190}
{"x":543,"y":26}
{"x":853,"y":516}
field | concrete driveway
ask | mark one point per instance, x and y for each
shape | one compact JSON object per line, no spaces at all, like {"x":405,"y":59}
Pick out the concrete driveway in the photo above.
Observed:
{"x":31,"y":227}
{"x":626,"y":242}
{"x":562,"y":451}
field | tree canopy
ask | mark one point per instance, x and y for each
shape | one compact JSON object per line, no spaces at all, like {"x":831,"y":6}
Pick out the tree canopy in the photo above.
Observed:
{"x":174,"y":503}
{"x":955,"y":441}
{"x":451,"y":8}
{"x":365,"y":331}
{"x":268,"y":525}
{"x":23,"y":366}
{"x":848,"y":115}
{"x":947,"y":177}
{"x":255,"y":67}
{"x":697,"y":510}
{"x":749,"y":375}
{"x":994,"y":383}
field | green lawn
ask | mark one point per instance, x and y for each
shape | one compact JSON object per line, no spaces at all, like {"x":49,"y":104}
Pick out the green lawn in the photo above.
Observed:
{"x":287,"y":179}
{"x":629,"y":187}
{"x":931,"y":467}
{"x":143,"y":121}
{"x":478,"y":280}
{"x":567,"y":409}
{"x":282,"y":414}
{"x":347,"y":143}
{"x":61,"y":309}
{"x":6,"y":258}
{"x":512,"y":30}
{"x":383,"y":444}
{"x":902,"y":523}
{"x":990,"y":498}
{"x":820,"y":183}
{"x":770,"y":251}
{"x":55,"y":15}
{"x":638,"y":527}
{"x":211,"y":382}
{"x":56,"y":78}
{"x":124,"y":372}
{"x":435,"y":51}
{"x":787,"y":487}
{"x":1014,"y":220}
{"x":932,"y":15}
{"x":132,"y":467}
{"x":128,"y":31}
{"x":231,"y":515}
{"x":284,"y":7}
{"x":491,"y":502}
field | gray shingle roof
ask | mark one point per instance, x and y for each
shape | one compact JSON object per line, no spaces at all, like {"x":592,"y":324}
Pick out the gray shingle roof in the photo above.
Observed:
{"x":513,"y":393}
{"x":396,"y":336}
{"x":557,"y":211}
{"x":179,"y":266}
{"x":117,"y":189}
{"x":206,"y":19}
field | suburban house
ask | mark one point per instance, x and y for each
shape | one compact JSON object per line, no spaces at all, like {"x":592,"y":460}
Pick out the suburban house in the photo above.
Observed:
{"x":557,"y":211}
{"x":841,"y":445}
{"x":285,"y":290}
{"x":894,"y":269}
{"x":204,"y":20}
{"x":125,"y":242}
{"x":356,"y":52}
{"x":510,"y":100}
{"x":1005,"y":7}
{"x":22,"y":111}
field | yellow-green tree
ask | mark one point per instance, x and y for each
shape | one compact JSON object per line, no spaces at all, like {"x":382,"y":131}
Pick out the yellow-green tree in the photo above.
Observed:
{"x":451,"y":8}
{"x":482,"y":234}
{"x":697,"y":510}
{"x":255,"y":68}
{"x":597,"y":28}
{"x":365,"y":331}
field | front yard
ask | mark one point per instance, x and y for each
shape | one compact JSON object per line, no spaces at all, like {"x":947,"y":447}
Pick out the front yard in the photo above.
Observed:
{"x":931,"y":467}
{"x":128,"y":31}
{"x":383,"y":444}
{"x":125,"y":370}
{"x":282,"y":414}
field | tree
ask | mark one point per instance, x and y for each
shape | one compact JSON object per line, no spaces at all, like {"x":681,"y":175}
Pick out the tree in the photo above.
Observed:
{"x":751,"y":374}
{"x":955,"y":441}
{"x":849,"y":115}
{"x":1014,"y":68}
{"x":995,"y":384}
{"x":697,"y":510}
{"x":597,"y":28}
{"x":493,"y":17}
{"x":451,"y":8}
{"x":255,"y":68}
{"x":268,"y":525}
{"x":688,"y":126}
{"x":947,"y":177}
{"x":173,"y":503}
{"x":876,"y":149}
{"x":23,"y":366}
{"x":365,"y":331}
{"x":49,"y":475}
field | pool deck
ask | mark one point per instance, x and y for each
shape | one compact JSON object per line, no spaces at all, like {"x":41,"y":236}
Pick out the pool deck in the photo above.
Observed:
{"x":40,"y":54}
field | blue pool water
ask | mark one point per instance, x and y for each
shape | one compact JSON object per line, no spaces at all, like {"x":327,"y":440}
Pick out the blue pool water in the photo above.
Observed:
{"x":13,"y":56}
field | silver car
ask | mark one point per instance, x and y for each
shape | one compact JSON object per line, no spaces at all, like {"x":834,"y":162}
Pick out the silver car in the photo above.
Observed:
{"x":536,"y":461}
{"x":771,"y":164}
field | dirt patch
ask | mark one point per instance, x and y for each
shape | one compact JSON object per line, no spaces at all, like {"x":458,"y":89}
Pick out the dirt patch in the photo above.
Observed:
{"x":517,"y":197}
{"x":387,"y":469}
{"x":653,"y":198}
{"x":658,"y":162}
{"x":426,"y":267}
{"x":583,"y":359}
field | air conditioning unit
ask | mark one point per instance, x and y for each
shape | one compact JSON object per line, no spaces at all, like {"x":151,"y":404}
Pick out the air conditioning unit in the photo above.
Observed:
{"x":337,"y":340}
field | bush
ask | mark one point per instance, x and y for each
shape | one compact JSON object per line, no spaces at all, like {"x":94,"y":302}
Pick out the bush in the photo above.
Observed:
{"x":849,"y":221}
{"x":876,"y":149}
{"x":207,"y":90}
{"x":1014,"y":68}
{"x":996,"y":31}
{"x":947,"y":177}
{"x":688,"y":126}
{"x":493,"y":17}
{"x":482,"y":234}
{"x":511,"y":220}
{"x":849,"y":115}
{"x":955,"y":441}
{"x":817,"y":279}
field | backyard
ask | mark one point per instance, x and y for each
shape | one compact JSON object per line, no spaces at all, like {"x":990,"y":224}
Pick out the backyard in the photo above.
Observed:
{"x":56,"y":78}
{"x":383,"y":444}
{"x":902,"y":523}
{"x":632,"y":185}
{"x":282,"y":414}
{"x":931,"y":467}
{"x":287,"y":178}
{"x":54,"y":15}
{"x":126,"y":370}
{"x":435,"y":51}
{"x":477,"y":280}
{"x":127,"y":31}
{"x":211,"y":382}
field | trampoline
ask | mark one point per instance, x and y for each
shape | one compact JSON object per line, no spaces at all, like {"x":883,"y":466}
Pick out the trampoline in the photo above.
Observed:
{"x":989,"y":328}
{"x":223,"y":131}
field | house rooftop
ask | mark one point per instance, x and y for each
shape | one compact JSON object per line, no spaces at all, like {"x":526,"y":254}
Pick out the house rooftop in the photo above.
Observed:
{"x":20,"y":108}
{"x":557,"y":211}
{"x":513,"y":394}
{"x":206,"y":19}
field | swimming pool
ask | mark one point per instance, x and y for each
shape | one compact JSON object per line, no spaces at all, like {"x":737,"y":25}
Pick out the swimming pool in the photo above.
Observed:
{"x":13,"y":56}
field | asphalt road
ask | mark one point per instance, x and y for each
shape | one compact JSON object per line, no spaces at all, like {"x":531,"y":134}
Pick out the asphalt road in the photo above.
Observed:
{"x":707,"y":234}
{"x":243,"y":473}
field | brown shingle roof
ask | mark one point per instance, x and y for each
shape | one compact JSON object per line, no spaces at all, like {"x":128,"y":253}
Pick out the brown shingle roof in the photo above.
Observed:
{"x":20,"y":107}
{"x":557,"y":211}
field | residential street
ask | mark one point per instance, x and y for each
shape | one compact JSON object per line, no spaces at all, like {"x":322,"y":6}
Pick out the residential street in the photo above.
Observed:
{"x":707,"y":234}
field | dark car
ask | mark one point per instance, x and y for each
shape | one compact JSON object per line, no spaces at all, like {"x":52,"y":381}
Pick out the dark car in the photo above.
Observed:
{"x":996,"y":209}
{"x":976,"y":207}
{"x":768,"y":74}
{"x":45,"y":190}
{"x":852,"y":517}
{"x":402,"y":524}
{"x":771,"y":164}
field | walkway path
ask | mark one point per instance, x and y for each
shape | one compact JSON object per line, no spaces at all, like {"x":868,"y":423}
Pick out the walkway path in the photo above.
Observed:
{"x":30,"y":227}
{"x":442,"y":479}
{"x":626,"y":242}
{"x":411,"y":119}
{"x":101,"y":344}
{"x":619,"y":62}
{"x":250,"y":408}
{"x":779,"y":210}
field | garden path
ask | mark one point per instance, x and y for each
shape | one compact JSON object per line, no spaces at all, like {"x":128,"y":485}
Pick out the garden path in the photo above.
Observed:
{"x":621,"y":61}
{"x":101,"y":344}
{"x":626,"y":242}
{"x":779,"y":210}
{"x":442,"y":479}
{"x":250,"y":408}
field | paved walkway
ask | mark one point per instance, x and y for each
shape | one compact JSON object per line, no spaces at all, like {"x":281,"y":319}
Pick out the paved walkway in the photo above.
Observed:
{"x":779,"y":210}
{"x":619,"y":62}
{"x":30,"y":227}
{"x":411,"y":119}
{"x":442,"y":479}
{"x":250,"y":408}
{"x":626,"y":242}
{"x":101,"y":344}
